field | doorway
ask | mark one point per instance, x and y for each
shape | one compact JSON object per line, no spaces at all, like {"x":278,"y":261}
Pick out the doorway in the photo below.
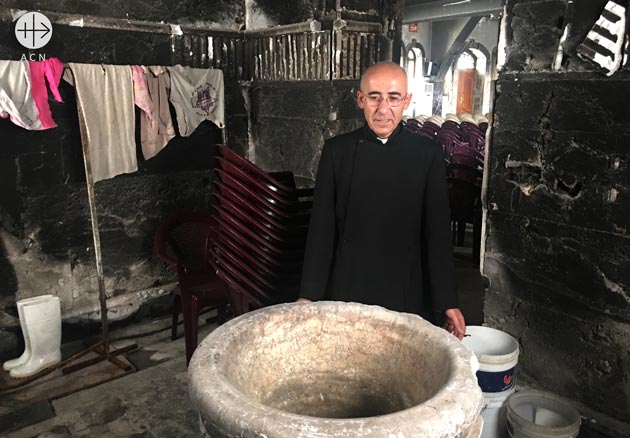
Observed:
{"x":453,"y":102}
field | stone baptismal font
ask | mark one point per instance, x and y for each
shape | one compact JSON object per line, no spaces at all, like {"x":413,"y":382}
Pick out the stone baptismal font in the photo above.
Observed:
{"x":332,"y":369}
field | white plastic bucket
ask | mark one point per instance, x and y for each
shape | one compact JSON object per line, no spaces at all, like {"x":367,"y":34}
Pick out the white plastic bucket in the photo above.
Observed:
{"x":497,"y":353}
{"x":536,"y":414}
{"x":493,"y":413}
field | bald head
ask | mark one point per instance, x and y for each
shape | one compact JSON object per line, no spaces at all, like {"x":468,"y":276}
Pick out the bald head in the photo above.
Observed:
{"x":387,"y":69}
{"x":383,"y":97}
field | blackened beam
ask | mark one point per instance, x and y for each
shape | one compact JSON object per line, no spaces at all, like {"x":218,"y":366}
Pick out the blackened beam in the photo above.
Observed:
{"x":357,"y":26}
{"x":415,"y":11}
{"x":94,"y":22}
{"x":457,"y":46}
{"x":305,"y":26}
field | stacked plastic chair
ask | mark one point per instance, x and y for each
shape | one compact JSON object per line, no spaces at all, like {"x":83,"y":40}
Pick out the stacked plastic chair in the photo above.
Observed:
{"x":262,"y":222}
{"x":463,"y":140}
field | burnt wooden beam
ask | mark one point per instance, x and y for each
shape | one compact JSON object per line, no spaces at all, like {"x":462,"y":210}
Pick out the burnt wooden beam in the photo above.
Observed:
{"x":305,"y":26}
{"x":415,"y":12}
{"x":94,"y":22}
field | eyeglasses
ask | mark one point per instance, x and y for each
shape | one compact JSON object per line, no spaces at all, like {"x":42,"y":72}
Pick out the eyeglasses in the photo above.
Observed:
{"x":375,"y":100}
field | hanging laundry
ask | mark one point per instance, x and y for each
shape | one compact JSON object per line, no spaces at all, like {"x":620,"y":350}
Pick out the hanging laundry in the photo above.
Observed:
{"x":156,"y":125}
{"x":106,"y":117}
{"x":41,"y":71}
{"x":197,"y":95}
{"x":140,"y":91}
{"x":16,"y":99}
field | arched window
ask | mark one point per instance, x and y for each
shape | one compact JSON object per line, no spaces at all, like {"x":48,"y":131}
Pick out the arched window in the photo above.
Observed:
{"x":468,"y":81}
{"x":415,"y":60}
{"x":421,"y":98}
{"x":483,"y":66}
{"x":466,"y":61}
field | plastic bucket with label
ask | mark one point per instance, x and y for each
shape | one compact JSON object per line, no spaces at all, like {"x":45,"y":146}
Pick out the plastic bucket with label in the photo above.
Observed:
{"x":497,"y":353}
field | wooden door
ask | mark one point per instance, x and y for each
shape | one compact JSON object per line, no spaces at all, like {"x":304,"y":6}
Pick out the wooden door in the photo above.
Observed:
{"x":465,"y":87}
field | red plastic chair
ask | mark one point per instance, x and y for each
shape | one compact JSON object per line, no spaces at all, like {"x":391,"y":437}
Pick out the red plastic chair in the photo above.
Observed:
{"x":181,"y":241}
{"x":282,"y":211}
{"x":255,"y":296}
{"x":296,"y":221}
{"x":270,"y":178}
{"x":242,"y":300}
{"x":268,"y":189}
{"x":228,"y":232}
{"x":262,"y":227}
{"x":287,"y":249}
{"x":262,"y":222}
{"x":267,"y":282}
{"x":280,"y":272}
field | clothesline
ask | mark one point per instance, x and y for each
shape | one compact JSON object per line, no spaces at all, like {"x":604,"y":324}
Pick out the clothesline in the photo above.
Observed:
{"x":106,"y":95}
{"x":105,"y":102}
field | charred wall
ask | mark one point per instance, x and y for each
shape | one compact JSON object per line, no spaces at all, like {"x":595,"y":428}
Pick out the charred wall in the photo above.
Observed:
{"x":225,"y":14}
{"x":275,"y":115}
{"x":45,"y":226}
{"x":292,"y":120}
{"x":557,"y":249}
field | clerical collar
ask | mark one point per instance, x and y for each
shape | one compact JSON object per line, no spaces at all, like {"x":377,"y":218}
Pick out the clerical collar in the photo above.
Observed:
{"x":370,"y":135}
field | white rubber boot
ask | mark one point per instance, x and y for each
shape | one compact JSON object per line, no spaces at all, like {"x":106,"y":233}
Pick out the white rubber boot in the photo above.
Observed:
{"x":43,"y":324}
{"x":9,"y":364}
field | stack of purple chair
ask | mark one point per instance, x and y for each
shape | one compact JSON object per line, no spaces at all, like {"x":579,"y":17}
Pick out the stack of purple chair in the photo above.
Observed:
{"x":262,"y":221}
{"x":463,"y":142}
{"x":414,"y":126}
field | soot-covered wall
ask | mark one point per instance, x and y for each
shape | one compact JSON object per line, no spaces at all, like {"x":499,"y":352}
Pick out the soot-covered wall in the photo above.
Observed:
{"x":557,"y":252}
{"x":45,"y":231}
{"x":226,"y":14}
{"x":291,"y":121}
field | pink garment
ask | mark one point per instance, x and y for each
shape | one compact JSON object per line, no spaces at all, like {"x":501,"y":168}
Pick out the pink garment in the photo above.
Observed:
{"x":141,"y":96}
{"x":156,"y":132}
{"x":41,"y":71}
{"x":53,"y":68}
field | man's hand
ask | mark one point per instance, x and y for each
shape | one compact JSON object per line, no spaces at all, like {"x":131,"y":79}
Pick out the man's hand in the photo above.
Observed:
{"x":302,"y":300}
{"x":455,"y":323}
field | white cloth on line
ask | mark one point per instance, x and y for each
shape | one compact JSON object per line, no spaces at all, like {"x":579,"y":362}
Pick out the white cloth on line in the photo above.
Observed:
{"x":16,"y":99}
{"x":106,"y":115}
{"x":197,"y":95}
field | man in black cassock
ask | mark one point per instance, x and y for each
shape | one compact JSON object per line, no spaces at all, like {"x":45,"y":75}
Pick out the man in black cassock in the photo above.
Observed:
{"x":380,"y":226}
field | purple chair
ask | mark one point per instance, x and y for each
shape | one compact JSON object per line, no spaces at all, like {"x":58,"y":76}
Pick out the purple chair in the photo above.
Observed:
{"x":268,"y":190}
{"x":465,"y":203}
{"x":181,"y":242}
{"x":288,"y":211}
{"x":261,"y":209}
{"x":261,"y":253}
{"x":260,"y":219}
{"x":258,"y":173}
{"x":266,"y":242}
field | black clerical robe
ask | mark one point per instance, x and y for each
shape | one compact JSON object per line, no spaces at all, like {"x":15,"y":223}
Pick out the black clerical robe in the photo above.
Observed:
{"x":380,"y":226}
